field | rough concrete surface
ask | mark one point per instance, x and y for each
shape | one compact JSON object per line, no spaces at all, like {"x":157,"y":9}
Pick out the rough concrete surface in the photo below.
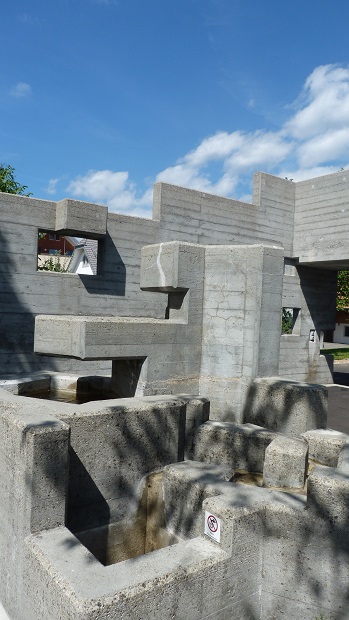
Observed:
{"x":100,"y":515}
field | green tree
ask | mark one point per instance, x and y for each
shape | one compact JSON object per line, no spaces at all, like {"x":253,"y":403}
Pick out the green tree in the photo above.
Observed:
{"x":343,"y":290}
{"x":286,"y":321}
{"x":8,"y":182}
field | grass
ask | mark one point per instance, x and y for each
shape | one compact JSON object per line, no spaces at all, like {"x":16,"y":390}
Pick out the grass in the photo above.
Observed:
{"x":338,"y":354}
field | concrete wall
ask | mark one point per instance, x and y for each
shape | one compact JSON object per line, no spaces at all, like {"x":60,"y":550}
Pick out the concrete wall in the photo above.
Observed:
{"x":281,"y":215}
{"x":241,"y":323}
{"x":313,"y":292}
{"x":183,"y":215}
{"x":322,"y":219}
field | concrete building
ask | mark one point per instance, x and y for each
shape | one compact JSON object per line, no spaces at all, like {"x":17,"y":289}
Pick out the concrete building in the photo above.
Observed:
{"x":141,"y":506}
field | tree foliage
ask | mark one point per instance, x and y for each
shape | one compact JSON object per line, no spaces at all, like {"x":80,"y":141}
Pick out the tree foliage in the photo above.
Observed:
{"x":343,"y":290}
{"x":286,"y":321}
{"x":8,"y":182}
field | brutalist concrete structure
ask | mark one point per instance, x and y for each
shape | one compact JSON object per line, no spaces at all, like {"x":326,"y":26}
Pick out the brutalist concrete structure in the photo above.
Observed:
{"x":207,"y":484}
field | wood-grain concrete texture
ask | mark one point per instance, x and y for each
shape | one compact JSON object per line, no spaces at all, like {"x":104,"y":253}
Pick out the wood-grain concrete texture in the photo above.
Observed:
{"x":292,"y":216}
{"x":322,"y":220}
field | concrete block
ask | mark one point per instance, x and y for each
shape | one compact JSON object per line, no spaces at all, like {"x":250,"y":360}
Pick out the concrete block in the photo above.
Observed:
{"x":286,"y":462}
{"x":325,"y":445}
{"x":81,"y":218}
{"x":328,"y":500}
{"x":288,"y":407}
{"x":242,"y":523}
{"x":240,"y":446}
{"x":186,"y":485}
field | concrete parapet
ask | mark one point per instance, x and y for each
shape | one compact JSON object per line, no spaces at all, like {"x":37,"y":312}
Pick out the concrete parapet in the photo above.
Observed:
{"x":287,"y":407}
{"x":325,"y":445}
{"x":286,"y":462}
{"x":240,"y":446}
{"x":175,"y":581}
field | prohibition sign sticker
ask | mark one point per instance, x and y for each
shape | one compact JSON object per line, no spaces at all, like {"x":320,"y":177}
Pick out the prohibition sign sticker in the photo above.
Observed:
{"x":212,"y":526}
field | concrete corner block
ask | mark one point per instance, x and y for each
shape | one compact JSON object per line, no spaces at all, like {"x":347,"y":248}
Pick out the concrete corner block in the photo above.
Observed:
{"x":325,"y":446}
{"x":186,"y":485}
{"x":171,"y":266}
{"x":285,"y":463}
{"x":159,"y":266}
{"x":328,"y":498}
{"x":240,"y":446}
{"x":242,"y":525}
{"x":81,"y":218}
{"x":288,"y":407}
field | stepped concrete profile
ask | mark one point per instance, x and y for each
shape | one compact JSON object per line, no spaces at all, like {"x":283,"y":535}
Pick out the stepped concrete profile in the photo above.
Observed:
{"x":164,"y":446}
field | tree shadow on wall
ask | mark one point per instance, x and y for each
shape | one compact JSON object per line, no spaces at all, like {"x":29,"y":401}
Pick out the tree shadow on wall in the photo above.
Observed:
{"x":16,"y":320}
{"x":303,"y":555}
{"x":111,"y":271}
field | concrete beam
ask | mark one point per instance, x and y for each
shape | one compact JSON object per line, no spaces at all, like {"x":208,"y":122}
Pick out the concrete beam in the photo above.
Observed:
{"x":81,"y":218}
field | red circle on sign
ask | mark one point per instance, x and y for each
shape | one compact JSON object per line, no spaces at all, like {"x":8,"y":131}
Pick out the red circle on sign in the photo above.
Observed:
{"x":212,"y":523}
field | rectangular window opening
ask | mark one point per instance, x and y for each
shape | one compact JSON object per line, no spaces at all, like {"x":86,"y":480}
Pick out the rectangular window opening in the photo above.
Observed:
{"x":65,"y":254}
{"x":290,"y":321}
{"x":290,"y":266}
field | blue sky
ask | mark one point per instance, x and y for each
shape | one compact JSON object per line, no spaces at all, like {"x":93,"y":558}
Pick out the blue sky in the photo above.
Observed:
{"x":101,"y":98}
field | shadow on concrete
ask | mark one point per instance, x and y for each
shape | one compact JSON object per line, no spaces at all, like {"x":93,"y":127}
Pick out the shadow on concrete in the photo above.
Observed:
{"x":111,"y":271}
{"x":16,"y":323}
{"x":303,"y":554}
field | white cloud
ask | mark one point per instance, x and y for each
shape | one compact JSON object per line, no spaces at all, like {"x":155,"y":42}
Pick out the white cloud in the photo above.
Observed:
{"x":99,"y":184}
{"x":52,"y":186}
{"x":313,"y":141}
{"x":21,"y":89}
{"x":113,"y":189}
{"x":329,"y":146}
{"x":260,"y":148}
{"x":326,"y":96}
{"x":237,"y":152}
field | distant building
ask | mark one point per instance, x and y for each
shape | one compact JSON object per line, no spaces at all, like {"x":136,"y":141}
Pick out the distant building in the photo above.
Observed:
{"x":84,"y":258}
{"x":341,"y":332}
{"x":54,"y":243}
